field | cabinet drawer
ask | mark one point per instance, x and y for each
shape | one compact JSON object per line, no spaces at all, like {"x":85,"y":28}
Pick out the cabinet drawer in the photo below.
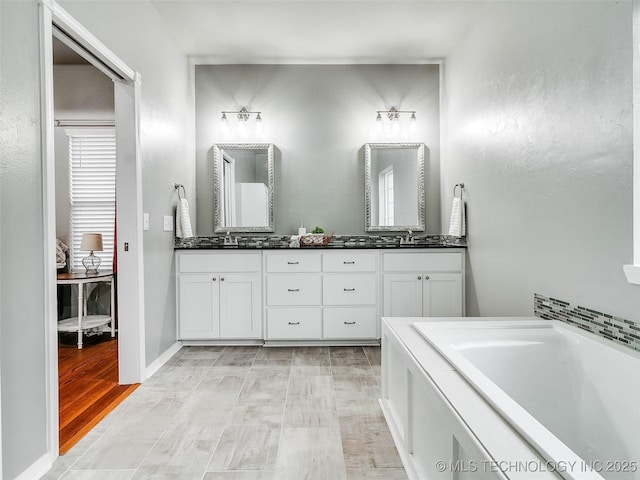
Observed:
{"x":224,"y":262}
{"x":422,"y":262}
{"x":350,"y":322}
{"x":293,"y":290}
{"x":349,"y":262}
{"x":349,"y":289}
{"x":293,"y":263}
{"x":294,"y":323}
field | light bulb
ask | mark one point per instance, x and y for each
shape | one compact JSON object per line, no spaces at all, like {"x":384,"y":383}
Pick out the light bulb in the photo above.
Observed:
{"x":259,"y":126}
{"x":413,"y":124}
{"x":376,"y":128}
{"x":242,"y":128}
{"x":395,"y":126}
{"x":225,"y":124}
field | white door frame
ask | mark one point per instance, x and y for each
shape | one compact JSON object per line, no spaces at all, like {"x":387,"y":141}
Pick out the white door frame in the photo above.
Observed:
{"x":130,"y":278}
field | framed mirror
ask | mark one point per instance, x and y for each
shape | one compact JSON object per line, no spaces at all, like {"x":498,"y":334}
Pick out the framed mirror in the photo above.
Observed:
{"x":394,"y":187}
{"x":243,"y":181}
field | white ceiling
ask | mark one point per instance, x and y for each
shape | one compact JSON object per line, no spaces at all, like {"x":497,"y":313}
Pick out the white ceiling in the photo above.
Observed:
{"x":310,"y":31}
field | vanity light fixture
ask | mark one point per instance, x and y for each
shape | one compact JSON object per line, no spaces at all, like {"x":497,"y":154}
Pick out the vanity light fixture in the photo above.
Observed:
{"x":393,"y":126}
{"x":243,"y":116}
{"x":393,"y":114}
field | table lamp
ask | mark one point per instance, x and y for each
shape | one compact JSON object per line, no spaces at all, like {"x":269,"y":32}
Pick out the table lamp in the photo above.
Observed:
{"x":91,"y":242}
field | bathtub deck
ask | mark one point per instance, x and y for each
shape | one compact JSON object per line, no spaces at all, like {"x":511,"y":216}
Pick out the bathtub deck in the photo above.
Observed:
{"x":482,"y":422}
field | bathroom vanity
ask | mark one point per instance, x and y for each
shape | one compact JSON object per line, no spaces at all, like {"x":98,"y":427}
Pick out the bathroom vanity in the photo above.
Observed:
{"x":331,"y":295}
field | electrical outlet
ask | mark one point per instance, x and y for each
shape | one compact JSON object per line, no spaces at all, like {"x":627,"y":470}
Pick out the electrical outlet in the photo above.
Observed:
{"x":168,"y":223}
{"x":145,"y":221}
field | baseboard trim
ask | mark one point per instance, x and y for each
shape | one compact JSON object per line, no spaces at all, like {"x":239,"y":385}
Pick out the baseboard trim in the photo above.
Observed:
{"x":162,"y":359}
{"x":37,"y":469}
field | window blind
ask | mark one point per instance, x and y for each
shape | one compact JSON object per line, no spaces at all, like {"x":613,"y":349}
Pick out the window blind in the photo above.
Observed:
{"x":92,"y":192}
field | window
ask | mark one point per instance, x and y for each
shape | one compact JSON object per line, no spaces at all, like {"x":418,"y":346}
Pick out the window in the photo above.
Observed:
{"x":92,"y":192}
{"x":385,"y":187}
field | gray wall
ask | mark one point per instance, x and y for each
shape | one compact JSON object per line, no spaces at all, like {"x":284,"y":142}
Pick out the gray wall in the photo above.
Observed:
{"x":318,"y":117}
{"x":80,"y":92}
{"x":537,"y":107}
{"x":135,"y":32}
{"x":22,"y":309}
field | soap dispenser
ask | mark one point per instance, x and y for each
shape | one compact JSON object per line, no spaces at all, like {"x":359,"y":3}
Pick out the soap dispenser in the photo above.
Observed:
{"x":302,"y":230}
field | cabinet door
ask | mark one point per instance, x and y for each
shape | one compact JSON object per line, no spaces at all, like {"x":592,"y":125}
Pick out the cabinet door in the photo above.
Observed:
{"x":199,"y":296}
{"x":240,"y":305}
{"x":402,"y":295}
{"x":442,"y":295}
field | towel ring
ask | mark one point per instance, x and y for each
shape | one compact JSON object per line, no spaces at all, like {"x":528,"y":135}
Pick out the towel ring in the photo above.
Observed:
{"x":179,"y":186}
{"x":461,"y":185}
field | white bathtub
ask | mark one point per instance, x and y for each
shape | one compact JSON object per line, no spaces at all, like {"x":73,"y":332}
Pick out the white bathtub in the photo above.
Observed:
{"x":573,"y":396}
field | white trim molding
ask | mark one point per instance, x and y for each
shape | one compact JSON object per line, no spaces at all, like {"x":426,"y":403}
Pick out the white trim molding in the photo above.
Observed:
{"x":633,"y":271}
{"x":159,"y":362}
{"x":37,"y":469}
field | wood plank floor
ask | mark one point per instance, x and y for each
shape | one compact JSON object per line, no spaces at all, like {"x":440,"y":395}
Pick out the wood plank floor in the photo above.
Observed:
{"x":250,"y":413}
{"x":88,"y":385}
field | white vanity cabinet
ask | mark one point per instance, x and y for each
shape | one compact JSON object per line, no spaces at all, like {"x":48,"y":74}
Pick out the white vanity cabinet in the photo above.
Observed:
{"x":312,"y":296}
{"x":423,"y":284}
{"x":293,"y":293}
{"x":321,"y":295}
{"x":219,"y":295}
{"x":350,"y":295}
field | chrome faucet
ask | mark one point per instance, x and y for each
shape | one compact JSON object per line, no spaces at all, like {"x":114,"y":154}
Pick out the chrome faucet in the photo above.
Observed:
{"x":230,"y":240}
{"x":408,"y":239}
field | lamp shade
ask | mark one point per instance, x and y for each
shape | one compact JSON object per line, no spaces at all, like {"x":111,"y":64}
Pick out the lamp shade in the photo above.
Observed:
{"x":91,"y":242}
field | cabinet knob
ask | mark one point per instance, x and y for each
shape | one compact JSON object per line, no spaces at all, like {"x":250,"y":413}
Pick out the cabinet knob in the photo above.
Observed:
{"x":419,"y":277}
{"x":214,"y":279}
{"x":426,"y":277}
{"x":294,"y":323}
{"x":349,"y":323}
{"x":222,"y":279}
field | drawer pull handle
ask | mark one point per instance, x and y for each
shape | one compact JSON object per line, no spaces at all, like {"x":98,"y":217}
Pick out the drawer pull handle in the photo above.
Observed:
{"x":349,"y":289}
{"x":349,"y":263}
{"x":293,"y":263}
{"x":294,"y":323}
{"x":293,"y":289}
{"x":349,"y":323}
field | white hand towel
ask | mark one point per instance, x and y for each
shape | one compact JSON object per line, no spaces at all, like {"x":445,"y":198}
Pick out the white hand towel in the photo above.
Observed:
{"x":458,"y":227}
{"x":183,"y":221}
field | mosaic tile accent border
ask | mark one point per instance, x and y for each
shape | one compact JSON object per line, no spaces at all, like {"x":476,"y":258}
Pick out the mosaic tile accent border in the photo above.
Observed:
{"x":338,"y":241}
{"x":619,"y":330}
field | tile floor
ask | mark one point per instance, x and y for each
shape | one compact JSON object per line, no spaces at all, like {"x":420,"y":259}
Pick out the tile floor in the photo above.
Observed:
{"x":246,"y":413}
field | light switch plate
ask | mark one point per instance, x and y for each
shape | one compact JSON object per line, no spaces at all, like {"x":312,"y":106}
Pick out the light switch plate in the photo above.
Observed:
{"x":168,"y":223}
{"x":145,"y":221}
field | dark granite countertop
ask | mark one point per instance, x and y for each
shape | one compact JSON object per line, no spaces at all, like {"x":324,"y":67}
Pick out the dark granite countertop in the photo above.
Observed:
{"x":280,"y":242}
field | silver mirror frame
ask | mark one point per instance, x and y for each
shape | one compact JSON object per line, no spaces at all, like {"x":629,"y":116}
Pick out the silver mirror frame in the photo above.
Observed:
{"x":218,"y":150}
{"x":419,"y":147}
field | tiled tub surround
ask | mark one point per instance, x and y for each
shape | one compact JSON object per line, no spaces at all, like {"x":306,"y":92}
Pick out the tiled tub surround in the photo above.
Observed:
{"x":246,"y":413}
{"x":619,"y":330}
{"x":337,"y":241}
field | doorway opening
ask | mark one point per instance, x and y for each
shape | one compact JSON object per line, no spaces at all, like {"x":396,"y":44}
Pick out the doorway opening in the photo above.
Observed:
{"x":85,"y":164}
{"x":104,"y":350}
